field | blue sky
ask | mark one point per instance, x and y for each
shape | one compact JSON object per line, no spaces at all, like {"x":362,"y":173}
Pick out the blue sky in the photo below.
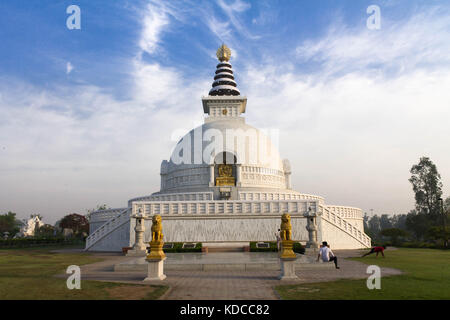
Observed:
{"x":38,"y":44}
{"x":89,"y":114}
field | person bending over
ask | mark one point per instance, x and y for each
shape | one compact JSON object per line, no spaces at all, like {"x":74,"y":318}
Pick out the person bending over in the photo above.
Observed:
{"x":377,"y":250}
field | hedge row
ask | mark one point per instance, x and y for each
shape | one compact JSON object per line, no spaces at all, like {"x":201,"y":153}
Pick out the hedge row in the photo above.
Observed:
{"x":30,"y":242}
{"x":178,"y":247}
{"x":298,"y":248}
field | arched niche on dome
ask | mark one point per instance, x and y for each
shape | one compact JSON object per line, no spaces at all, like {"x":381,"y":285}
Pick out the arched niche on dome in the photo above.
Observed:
{"x":225,"y":171}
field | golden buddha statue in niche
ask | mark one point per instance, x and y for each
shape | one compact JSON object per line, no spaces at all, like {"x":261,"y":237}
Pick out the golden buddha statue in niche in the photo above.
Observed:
{"x":225,"y":177}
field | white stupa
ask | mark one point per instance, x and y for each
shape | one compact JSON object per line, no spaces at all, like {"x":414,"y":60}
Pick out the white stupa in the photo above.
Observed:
{"x":225,"y":182}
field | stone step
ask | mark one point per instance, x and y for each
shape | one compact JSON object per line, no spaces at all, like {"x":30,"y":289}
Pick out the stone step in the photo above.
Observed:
{"x":224,"y":249}
{"x":242,"y":261}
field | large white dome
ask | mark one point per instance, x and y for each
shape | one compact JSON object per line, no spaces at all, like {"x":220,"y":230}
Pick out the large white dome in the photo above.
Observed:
{"x":250,"y":145}
{"x":249,"y":149}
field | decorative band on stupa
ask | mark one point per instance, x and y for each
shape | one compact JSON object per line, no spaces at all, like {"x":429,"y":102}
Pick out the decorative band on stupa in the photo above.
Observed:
{"x":224,"y":84}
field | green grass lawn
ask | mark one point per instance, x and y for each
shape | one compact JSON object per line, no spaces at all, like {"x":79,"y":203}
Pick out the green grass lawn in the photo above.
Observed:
{"x":426,"y":276}
{"x":29,"y":274}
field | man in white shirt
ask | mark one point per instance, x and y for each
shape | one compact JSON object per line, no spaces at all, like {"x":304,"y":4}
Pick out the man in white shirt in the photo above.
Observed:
{"x":327,"y":254}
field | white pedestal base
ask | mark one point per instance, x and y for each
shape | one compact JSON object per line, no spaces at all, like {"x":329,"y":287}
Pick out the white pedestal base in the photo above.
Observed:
{"x":137,"y":253}
{"x":155,"y":270}
{"x":312,"y":251}
{"x":287,"y":269}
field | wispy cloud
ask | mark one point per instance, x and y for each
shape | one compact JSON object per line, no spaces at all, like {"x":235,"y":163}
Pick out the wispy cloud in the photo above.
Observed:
{"x":69,"y":140}
{"x":155,"y":19}
{"x":375,"y":103}
{"x":399,"y":46}
{"x":224,"y":29}
{"x":69,"y":67}
{"x":352,"y":126}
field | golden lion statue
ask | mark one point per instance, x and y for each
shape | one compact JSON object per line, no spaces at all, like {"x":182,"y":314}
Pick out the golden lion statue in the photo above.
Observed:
{"x":157,"y":234}
{"x":286,"y":227}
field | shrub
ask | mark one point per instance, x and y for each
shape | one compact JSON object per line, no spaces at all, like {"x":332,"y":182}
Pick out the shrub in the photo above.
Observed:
{"x":298,"y":248}
{"x":35,"y":241}
{"x":272,"y":247}
{"x":178,"y":247}
{"x":395,"y":234}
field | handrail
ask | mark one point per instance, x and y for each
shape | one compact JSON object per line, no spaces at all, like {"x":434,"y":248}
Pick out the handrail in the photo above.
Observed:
{"x":212,"y":207}
{"x":175,"y":196}
{"x":104,"y":215}
{"x":346,"y":212}
{"x":178,"y":208}
{"x":339,"y":222}
{"x":107,"y":228}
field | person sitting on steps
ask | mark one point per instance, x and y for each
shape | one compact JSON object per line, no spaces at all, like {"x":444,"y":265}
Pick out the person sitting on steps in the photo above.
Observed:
{"x":327,"y":254}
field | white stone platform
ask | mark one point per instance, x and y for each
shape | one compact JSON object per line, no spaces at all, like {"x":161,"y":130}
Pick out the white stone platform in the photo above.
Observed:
{"x":241,"y":261}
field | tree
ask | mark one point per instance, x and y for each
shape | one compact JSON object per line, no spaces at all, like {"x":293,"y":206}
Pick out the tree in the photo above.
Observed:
{"x":367,"y":228}
{"x":418,"y":224}
{"x":437,"y":233}
{"x":76,"y":222}
{"x":9,"y":223}
{"x":427,"y":187}
{"x":394,"y":234}
{"x":447,"y":205}
{"x":46,"y":230}
{"x":385,"y":222}
{"x":399,"y":221}
{"x":375,"y":224}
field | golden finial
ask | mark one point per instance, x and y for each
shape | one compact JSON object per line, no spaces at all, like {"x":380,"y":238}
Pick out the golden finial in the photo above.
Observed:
{"x":223,"y":53}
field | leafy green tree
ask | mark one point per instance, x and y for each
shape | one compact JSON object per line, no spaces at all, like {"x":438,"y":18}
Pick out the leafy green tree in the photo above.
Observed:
{"x":399,"y":221}
{"x":46,"y":230}
{"x":437,"y":233}
{"x":375,"y":224}
{"x":427,"y":187}
{"x":367,"y":228}
{"x":447,"y":205}
{"x":418,"y":224}
{"x":9,"y":223}
{"x":385,"y":222}
{"x":394,"y":234}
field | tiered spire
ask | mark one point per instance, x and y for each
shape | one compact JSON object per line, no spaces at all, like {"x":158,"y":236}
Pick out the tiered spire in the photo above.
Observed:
{"x":224,"y":84}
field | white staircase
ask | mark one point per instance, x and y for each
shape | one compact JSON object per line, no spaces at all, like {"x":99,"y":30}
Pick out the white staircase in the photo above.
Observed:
{"x":108,"y":227}
{"x":345,"y":226}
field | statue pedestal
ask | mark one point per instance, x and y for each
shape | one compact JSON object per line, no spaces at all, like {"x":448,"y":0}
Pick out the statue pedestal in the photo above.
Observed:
{"x":287,"y":251}
{"x":155,"y":271}
{"x":155,"y":260}
{"x":287,"y":269}
{"x":287,"y":261}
